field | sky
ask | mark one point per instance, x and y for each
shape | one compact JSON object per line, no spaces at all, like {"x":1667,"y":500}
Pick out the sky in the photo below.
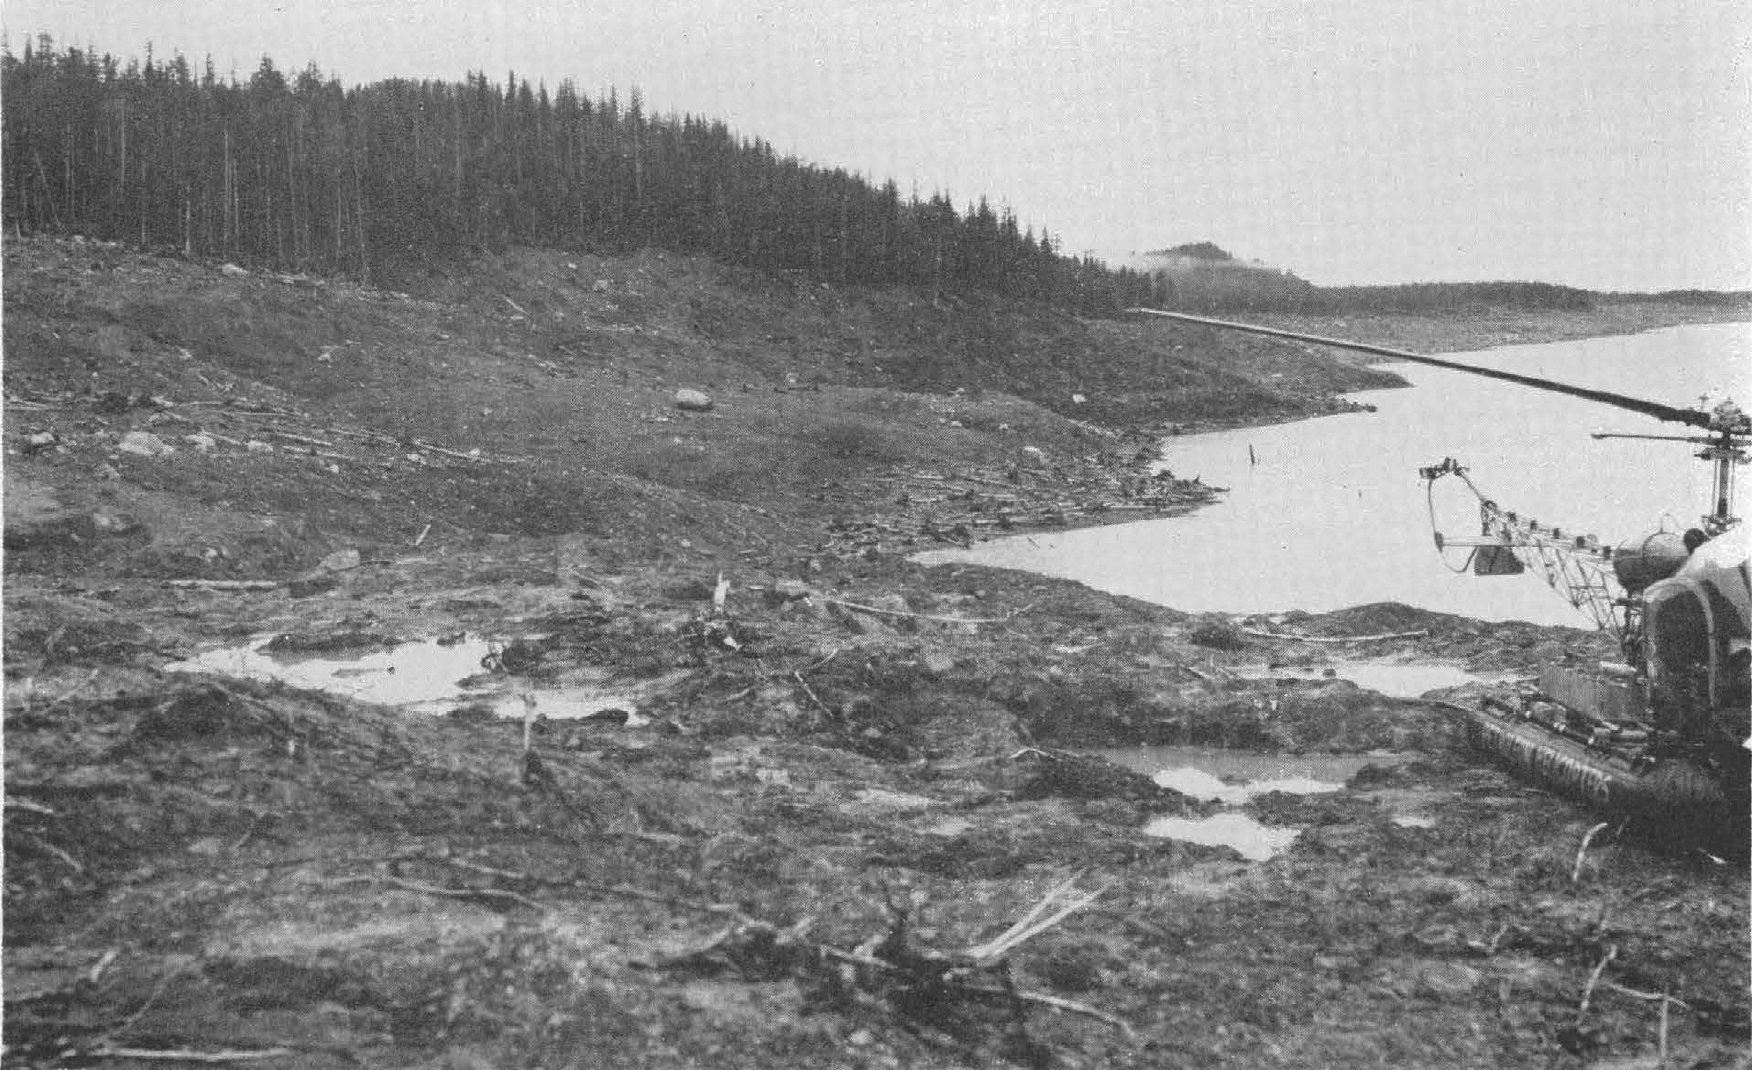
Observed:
{"x":1597,"y":143}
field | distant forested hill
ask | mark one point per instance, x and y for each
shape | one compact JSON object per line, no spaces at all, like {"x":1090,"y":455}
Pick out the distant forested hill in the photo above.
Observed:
{"x":1204,"y":277}
{"x":302,"y":174}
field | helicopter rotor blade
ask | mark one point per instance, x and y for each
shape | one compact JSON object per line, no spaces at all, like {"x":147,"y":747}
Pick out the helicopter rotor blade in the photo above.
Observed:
{"x":1697,"y":440}
{"x":1669,"y":413}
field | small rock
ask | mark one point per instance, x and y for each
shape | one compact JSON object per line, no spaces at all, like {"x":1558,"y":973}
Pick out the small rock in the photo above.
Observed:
{"x":1078,"y":399}
{"x":112,"y":402}
{"x":791,"y":590}
{"x":611,"y":715}
{"x":145,"y":444}
{"x":113,"y":523}
{"x":39,"y":441}
{"x":232,"y":271}
{"x":938,"y":663}
{"x":207,"y":847}
{"x":692,"y":401}
{"x":340,"y":560}
{"x":305,"y":586}
{"x":1448,"y":980}
{"x":893,"y":603}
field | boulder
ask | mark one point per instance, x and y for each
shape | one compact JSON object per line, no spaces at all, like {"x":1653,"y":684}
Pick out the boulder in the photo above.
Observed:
{"x":692,"y":401}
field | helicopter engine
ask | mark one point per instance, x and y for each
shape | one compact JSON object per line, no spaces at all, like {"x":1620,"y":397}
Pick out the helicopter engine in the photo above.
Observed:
{"x":1696,"y":645}
{"x":1640,"y":562}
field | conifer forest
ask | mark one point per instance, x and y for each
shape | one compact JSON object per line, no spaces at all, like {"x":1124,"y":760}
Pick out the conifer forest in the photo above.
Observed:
{"x":297,"y":173}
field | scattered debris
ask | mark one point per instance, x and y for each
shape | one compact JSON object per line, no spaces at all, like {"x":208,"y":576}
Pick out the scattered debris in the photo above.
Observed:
{"x":967,"y":999}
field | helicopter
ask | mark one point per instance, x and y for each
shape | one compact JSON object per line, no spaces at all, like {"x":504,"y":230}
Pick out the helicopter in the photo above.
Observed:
{"x":1661,"y":738}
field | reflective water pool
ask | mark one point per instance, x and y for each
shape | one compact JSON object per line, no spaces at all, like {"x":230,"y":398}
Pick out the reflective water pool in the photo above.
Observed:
{"x":431,"y":676}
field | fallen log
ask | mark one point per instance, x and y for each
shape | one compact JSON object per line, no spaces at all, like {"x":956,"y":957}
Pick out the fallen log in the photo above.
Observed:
{"x":225,"y":585}
{"x":1418,"y":634}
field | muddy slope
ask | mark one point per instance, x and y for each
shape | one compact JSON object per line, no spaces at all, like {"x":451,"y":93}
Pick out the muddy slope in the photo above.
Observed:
{"x":840,"y":813}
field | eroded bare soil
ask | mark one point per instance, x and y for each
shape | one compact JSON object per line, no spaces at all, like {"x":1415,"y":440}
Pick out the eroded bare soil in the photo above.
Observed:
{"x":849,"y":819}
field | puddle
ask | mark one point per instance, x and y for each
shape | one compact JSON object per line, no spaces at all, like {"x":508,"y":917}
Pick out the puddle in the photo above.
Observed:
{"x":1250,"y":839}
{"x":1190,"y":780}
{"x":422,"y":671}
{"x":1236,"y":768}
{"x":1232,"y":778}
{"x":427,"y":676}
{"x":1386,"y":678}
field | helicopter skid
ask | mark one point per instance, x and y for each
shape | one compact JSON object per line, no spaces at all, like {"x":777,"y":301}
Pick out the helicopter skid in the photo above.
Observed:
{"x":1672,"y":799}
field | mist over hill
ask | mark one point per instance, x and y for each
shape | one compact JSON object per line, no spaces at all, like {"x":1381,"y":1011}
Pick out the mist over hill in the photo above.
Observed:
{"x":1202,"y":276}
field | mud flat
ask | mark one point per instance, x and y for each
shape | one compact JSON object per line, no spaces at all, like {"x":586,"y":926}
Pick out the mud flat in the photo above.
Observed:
{"x":839,"y":810}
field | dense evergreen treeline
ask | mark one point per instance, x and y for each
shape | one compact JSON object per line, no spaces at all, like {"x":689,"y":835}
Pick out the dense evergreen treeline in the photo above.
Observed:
{"x":1453,"y":296}
{"x":301,"y":174}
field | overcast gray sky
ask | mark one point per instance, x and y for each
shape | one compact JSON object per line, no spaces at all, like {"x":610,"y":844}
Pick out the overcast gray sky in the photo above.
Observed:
{"x":1601,"y":144}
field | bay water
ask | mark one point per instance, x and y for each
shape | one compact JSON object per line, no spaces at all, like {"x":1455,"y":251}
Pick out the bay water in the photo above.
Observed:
{"x":1327,"y":513}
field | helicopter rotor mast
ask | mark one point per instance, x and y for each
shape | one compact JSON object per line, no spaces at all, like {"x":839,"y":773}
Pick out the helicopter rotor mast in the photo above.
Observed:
{"x":1724,"y":453}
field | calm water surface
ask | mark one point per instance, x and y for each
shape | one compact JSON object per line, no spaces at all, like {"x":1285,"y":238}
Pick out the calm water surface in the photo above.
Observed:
{"x":1330,"y":513}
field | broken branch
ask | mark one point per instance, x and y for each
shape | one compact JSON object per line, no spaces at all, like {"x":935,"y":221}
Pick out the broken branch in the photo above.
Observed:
{"x":184,"y":1055}
{"x":224,"y":585}
{"x":927,"y":616}
{"x":1070,"y":1006}
{"x":1582,"y":851}
{"x":1594,"y":979}
{"x":1030,"y":927}
{"x":305,"y":439}
{"x":1646,"y":997}
{"x":807,"y":690}
{"x":464,"y":893}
